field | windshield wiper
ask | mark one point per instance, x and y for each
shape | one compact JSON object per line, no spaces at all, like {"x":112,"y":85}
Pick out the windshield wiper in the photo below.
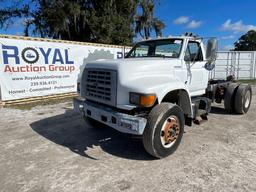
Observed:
{"x":159,"y":55}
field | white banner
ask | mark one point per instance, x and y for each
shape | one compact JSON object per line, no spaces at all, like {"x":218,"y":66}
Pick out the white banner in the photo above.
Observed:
{"x":30,"y":68}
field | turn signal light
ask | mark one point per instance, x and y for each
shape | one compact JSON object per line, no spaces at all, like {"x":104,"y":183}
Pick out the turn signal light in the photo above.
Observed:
{"x":145,"y":100}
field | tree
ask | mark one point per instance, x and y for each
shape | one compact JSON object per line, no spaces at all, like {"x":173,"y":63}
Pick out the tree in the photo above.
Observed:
{"x":103,"y":21}
{"x":246,"y":42}
{"x":145,"y":22}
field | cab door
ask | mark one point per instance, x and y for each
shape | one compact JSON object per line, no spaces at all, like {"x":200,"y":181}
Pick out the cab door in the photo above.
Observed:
{"x":197,"y":75}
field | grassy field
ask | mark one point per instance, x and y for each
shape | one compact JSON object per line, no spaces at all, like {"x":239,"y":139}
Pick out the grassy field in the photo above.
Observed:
{"x":249,"y":81}
{"x":43,"y":102}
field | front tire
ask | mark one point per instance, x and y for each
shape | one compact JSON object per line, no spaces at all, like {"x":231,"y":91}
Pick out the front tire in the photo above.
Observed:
{"x":164,"y":130}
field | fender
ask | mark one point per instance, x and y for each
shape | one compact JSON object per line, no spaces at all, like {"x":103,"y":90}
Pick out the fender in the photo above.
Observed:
{"x":156,"y":86}
{"x":185,"y":98}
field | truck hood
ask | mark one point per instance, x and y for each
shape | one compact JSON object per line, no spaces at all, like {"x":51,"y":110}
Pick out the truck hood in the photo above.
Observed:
{"x":136,"y":64}
{"x":142,"y":75}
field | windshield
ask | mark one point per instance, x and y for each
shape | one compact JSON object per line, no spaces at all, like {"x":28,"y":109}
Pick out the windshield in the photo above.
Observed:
{"x":157,"y":48}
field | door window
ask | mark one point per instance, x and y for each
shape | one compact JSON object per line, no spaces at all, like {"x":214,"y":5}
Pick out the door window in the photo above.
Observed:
{"x":194,"y":51}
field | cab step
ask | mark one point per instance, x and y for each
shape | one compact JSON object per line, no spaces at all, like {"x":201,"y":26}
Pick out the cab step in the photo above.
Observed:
{"x":201,"y":108}
{"x":200,"y":119}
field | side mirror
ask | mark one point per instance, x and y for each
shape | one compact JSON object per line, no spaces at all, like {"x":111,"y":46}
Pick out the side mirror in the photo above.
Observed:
{"x":211,"y":50}
{"x":209,"y":66}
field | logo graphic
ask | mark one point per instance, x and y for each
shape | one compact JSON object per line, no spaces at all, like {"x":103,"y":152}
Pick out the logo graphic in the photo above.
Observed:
{"x":30,"y":55}
{"x":51,"y":59}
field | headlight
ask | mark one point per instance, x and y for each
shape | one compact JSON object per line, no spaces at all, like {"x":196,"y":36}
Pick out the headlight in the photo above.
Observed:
{"x":144,"y":100}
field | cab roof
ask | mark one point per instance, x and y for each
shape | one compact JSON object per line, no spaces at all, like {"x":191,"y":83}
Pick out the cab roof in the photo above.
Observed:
{"x":183,"y":37}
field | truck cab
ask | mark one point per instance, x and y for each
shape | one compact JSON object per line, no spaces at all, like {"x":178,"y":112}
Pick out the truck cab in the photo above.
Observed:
{"x":159,"y":86}
{"x":179,"y":52}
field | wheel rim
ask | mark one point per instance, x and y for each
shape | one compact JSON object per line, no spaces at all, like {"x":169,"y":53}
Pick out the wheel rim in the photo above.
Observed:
{"x":247,"y":99}
{"x":170,"y":131}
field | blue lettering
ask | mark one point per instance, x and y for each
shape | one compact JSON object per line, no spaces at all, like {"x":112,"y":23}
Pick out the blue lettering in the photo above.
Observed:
{"x":57,"y":57}
{"x":119,"y":55}
{"x":46,"y":54}
{"x":7,"y":55}
{"x":66,"y":58}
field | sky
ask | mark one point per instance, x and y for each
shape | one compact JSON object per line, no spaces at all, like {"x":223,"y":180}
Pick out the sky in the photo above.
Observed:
{"x":225,"y":19}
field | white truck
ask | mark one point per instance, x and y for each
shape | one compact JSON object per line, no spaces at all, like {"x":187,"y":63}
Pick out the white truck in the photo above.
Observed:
{"x":158,"y":88}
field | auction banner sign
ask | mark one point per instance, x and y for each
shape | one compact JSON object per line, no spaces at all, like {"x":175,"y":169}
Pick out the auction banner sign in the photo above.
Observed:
{"x":40,"y":67}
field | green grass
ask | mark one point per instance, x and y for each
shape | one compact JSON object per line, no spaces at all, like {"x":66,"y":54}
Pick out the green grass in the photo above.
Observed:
{"x":29,"y":106}
{"x":248,"y":81}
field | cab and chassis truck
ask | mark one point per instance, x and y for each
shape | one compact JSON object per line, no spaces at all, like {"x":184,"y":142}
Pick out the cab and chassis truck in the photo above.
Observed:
{"x":158,"y":88}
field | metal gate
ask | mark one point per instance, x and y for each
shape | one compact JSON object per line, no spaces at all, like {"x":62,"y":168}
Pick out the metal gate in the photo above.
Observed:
{"x":241,"y":64}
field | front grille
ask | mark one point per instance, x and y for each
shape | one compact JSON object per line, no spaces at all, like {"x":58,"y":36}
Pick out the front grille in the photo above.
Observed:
{"x":100,"y":86}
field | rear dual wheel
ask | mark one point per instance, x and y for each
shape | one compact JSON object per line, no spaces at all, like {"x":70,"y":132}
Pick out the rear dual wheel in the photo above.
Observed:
{"x":164,"y":130}
{"x":243,"y":99}
{"x":238,"y":98}
{"x":229,"y":98}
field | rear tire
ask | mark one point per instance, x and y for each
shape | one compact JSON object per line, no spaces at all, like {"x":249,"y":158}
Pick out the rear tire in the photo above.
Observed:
{"x":243,"y":99}
{"x":229,"y":98}
{"x":164,"y":130}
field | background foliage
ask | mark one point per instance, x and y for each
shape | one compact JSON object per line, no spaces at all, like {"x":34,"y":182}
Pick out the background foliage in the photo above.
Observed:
{"x":103,"y":21}
{"x":246,"y":42}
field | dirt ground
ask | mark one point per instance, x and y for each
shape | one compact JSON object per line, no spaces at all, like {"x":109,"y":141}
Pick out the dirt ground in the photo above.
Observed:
{"x":50,"y":148}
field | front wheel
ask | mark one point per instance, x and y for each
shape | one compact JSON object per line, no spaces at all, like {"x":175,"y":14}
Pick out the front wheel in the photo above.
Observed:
{"x":164,"y":130}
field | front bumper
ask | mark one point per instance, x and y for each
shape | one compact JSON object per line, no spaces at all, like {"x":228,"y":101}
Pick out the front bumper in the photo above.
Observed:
{"x":120,"y":121}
